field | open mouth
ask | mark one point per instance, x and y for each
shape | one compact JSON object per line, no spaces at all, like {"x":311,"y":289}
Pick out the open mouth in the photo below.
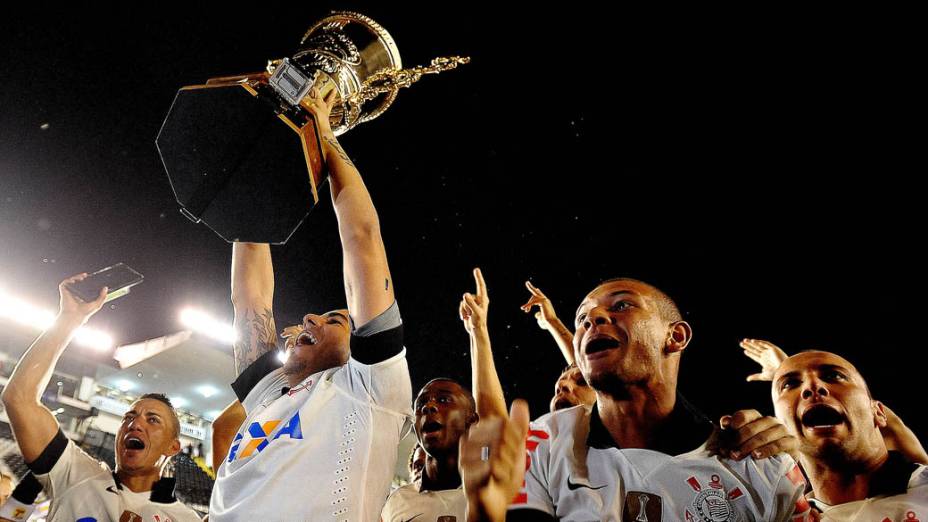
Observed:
{"x":431,"y":427}
{"x":601,"y":344}
{"x":134,"y":443}
{"x":563,"y":403}
{"x":306,"y":338}
{"x":821,"y":416}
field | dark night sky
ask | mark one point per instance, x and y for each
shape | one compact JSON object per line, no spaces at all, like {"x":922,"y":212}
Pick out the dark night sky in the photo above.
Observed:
{"x":759,"y":172}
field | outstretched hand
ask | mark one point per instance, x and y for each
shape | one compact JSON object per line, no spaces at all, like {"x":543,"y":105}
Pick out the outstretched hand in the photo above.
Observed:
{"x":768,"y":355}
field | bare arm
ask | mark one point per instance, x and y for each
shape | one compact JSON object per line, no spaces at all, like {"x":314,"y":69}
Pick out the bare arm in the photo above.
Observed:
{"x":252,"y":299}
{"x":33,"y":424}
{"x":368,"y":285}
{"x":225,"y":427}
{"x":485,"y":381}
{"x":548,"y":320}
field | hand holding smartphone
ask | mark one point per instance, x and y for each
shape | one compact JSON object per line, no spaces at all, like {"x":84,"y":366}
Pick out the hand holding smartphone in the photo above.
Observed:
{"x":118,"y":279}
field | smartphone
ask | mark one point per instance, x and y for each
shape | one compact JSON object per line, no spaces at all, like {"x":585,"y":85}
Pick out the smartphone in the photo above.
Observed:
{"x":118,"y":279}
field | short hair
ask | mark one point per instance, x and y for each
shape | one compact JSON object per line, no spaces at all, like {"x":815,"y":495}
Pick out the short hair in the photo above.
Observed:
{"x":668,"y":309}
{"x":467,"y":393}
{"x":160,"y":397}
{"x":573,"y":366}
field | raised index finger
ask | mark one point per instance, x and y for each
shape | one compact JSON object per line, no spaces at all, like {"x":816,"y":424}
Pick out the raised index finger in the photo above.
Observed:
{"x":533,"y":289}
{"x":481,"y":284}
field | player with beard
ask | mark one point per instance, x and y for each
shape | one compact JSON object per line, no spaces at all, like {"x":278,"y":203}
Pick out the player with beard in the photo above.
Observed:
{"x":332,"y":416}
{"x":81,"y":487}
{"x":825,"y":402}
{"x":444,"y":410}
{"x":642,"y":452}
{"x":571,"y":389}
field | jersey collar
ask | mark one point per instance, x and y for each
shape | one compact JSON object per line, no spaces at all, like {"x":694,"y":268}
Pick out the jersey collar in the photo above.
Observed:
{"x":162,"y":491}
{"x":686,"y":429}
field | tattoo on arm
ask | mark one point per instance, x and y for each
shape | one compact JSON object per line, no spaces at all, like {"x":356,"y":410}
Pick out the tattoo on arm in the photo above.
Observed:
{"x":257,"y":335}
{"x":339,"y":150}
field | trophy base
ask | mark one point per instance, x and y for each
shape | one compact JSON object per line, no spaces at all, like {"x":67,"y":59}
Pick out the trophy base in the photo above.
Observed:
{"x":236,"y":165}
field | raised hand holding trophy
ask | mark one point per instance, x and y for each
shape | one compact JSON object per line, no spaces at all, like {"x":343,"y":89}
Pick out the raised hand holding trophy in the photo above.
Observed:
{"x":242,"y":152}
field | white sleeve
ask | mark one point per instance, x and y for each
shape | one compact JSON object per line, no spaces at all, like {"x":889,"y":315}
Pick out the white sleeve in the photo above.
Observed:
{"x":385,"y":383}
{"x":535,"y":493}
{"x":73,"y":466}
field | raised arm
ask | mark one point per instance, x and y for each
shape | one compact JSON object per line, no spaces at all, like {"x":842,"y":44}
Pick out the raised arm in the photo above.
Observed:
{"x":485,"y":382}
{"x":252,"y":300}
{"x":368,"y":285}
{"x":33,"y":424}
{"x":547,"y":320}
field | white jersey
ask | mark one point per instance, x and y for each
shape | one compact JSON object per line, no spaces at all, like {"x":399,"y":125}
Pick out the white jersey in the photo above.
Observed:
{"x":324,"y":450}
{"x":408,"y":503}
{"x":909,"y":505}
{"x":576,"y":473}
{"x":82,"y":488}
{"x":16,"y":511}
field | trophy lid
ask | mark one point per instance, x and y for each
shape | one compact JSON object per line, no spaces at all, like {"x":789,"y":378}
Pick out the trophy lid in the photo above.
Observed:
{"x":350,"y":48}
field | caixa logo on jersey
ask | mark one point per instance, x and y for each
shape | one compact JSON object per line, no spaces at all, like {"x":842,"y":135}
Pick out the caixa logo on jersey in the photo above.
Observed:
{"x":261,"y":435}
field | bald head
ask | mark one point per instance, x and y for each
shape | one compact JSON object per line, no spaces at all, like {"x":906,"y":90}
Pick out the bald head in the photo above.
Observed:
{"x":824,"y":401}
{"x":809,"y":359}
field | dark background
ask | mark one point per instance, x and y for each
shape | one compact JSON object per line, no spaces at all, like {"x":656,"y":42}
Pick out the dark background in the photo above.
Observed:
{"x":761,"y":168}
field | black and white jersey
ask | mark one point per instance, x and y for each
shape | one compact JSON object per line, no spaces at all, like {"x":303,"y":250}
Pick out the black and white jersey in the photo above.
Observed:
{"x":898,"y":493}
{"x":83,"y":488}
{"x":576,"y":472}
{"x":325,"y":449}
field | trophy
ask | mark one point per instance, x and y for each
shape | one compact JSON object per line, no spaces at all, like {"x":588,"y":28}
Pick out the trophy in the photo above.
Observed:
{"x":245,"y":158}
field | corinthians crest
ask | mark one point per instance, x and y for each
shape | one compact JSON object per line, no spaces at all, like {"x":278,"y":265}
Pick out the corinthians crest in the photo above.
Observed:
{"x":712,"y":503}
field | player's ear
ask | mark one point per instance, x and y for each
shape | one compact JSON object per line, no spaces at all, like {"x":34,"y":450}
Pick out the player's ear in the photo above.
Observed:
{"x":678,"y":337}
{"x":879,"y":414}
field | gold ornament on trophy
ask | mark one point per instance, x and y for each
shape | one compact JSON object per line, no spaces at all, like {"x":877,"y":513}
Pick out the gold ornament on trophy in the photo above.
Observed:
{"x":222,"y":140}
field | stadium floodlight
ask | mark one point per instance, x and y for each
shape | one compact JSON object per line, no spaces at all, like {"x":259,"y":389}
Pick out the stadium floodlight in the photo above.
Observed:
{"x":207,"y":391}
{"x":203,"y":323}
{"x":40,"y":319}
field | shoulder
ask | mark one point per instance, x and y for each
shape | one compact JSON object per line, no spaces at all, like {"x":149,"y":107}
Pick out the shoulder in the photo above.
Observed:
{"x":404,"y":491}
{"x":762,"y":473}
{"x":561,"y":422}
{"x":919,"y":477}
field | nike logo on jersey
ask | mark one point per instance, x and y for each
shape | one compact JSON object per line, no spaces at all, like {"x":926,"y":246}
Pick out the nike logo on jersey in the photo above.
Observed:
{"x":571,"y":485}
{"x":413,"y":518}
{"x":112,"y":489}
